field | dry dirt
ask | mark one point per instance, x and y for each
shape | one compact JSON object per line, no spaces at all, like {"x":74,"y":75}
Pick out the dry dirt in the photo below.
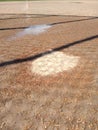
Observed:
{"x":66,"y":7}
{"x":63,"y":101}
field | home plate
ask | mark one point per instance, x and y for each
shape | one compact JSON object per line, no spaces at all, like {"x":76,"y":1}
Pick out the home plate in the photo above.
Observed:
{"x":53,"y":63}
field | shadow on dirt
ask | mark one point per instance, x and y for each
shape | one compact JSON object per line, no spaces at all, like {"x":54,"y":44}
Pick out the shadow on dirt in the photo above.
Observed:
{"x":23,"y":15}
{"x":51,"y":24}
{"x":17,"y":61}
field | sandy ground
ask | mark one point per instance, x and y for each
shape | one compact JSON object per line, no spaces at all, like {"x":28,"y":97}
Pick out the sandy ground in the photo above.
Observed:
{"x":65,"y":101}
{"x":65,"y":7}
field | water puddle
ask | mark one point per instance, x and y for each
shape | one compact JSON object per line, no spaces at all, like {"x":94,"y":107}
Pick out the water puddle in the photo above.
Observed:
{"x":32,"y":30}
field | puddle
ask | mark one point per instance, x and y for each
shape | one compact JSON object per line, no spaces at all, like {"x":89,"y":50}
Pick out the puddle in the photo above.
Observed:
{"x":32,"y":30}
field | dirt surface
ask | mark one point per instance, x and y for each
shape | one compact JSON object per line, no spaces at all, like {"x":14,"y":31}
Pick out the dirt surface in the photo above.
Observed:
{"x":63,"y":101}
{"x":61,"y":7}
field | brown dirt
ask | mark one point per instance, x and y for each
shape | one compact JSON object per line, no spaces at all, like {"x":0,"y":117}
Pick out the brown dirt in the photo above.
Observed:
{"x":64,"y":101}
{"x":64,"y":7}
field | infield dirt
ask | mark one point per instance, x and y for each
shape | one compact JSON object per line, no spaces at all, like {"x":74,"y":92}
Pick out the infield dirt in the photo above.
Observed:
{"x":65,"y":101}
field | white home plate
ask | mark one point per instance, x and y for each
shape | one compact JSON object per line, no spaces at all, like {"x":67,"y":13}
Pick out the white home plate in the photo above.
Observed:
{"x":53,"y":63}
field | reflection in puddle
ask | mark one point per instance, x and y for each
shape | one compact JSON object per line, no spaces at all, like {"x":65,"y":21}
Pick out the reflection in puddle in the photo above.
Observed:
{"x":32,"y":30}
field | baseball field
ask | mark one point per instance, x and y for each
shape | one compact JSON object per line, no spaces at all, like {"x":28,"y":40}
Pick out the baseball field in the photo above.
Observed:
{"x":49,"y":65}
